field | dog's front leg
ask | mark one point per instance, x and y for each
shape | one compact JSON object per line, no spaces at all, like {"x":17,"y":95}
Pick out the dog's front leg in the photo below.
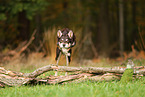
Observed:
{"x":56,"y":72}
{"x":67,"y":63}
{"x":58,"y":59}
{"x":68,"y":59}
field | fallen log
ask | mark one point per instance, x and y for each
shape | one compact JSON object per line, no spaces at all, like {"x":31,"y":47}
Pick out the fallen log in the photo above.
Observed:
{"x":7,"y":80}
{"x":11,"y":78}
{"x":67,"y":78}
{"x":40,"y":71}
{"x":95,"y":70}
{"x":97,"y":78}
{"x":10,"y":73}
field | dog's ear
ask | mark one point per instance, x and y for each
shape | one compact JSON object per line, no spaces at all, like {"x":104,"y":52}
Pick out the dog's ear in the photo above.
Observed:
{"x":59,"y":33}
{"x":70,"y":34}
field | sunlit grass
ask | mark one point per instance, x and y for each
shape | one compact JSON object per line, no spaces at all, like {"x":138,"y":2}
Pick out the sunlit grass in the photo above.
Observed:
{"x":85,"y":89}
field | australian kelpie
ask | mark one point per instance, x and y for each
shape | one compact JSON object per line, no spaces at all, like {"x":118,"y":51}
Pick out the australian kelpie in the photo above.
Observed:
{"x":65,"y":41}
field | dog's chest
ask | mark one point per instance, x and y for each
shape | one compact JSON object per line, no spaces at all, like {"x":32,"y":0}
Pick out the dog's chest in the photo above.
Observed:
{"x":65,"y":51}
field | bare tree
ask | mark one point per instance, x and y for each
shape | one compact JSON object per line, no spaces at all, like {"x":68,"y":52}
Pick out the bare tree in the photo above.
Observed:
{"x":121,"y":27}
{"x":104,"y":28}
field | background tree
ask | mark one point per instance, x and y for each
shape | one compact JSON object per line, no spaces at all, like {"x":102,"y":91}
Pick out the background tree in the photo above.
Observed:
{"x":121,"y":27}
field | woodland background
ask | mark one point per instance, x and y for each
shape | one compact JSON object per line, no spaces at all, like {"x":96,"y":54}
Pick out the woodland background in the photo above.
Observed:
{"x":104,"y":28}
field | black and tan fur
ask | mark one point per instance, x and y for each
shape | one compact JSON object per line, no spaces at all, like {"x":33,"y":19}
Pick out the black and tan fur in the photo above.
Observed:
{"x":65,"y":41}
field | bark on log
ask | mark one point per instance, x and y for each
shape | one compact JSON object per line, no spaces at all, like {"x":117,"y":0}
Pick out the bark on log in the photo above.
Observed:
{"x":40,"y":71}
{"x":96,"y":78}
{"x":67,"y":78}
{"x":10,"y":73}
{"x":7,"y":80}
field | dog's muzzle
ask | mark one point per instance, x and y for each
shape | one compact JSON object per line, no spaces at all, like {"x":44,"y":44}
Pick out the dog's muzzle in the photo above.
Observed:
{"x":64,"y":45}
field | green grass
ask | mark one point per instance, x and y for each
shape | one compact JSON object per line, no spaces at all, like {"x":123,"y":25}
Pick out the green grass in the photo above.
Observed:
{"x":85,"y":89}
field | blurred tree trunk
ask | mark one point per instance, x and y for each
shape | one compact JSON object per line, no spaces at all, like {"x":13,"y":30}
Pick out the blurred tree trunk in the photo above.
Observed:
{"x":23,"y":26}
{"x":104,"y":28}
{"x":87,"y":33}
{"x":121,"y":27}
{"x":38,"y":28}
{"x":134,"y":23}
{"x":89,"y":50}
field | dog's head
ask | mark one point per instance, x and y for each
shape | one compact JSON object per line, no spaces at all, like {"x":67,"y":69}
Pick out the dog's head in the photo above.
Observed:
{"x":65,"y":38}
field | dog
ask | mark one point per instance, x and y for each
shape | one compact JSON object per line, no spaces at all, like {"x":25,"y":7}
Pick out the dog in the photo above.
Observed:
{"x":65,"y":41}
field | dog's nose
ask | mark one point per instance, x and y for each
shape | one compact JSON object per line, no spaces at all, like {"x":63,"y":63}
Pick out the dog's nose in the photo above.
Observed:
{"x":63,"y":45}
